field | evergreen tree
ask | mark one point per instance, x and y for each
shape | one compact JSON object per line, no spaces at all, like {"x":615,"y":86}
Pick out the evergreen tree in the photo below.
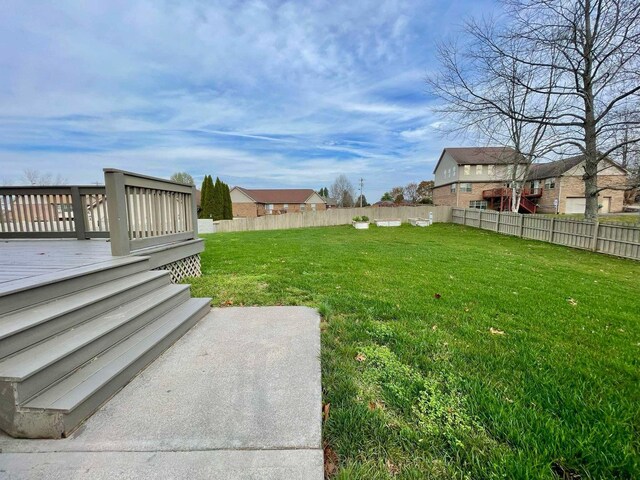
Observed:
{"x":209,"y":201}
{"x":228,"y":206}
{"x":218,"y":200}
{"x":203,"y":198}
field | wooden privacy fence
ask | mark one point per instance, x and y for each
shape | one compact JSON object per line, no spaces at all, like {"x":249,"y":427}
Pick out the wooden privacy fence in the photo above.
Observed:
{"x":147,"y":211}
{"x":53,"y":212}
{"x":612,"y":239}
{"x":334,"y":216}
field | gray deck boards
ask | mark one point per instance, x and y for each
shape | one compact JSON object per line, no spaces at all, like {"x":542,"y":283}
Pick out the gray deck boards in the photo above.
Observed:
{"x":28,"y":259}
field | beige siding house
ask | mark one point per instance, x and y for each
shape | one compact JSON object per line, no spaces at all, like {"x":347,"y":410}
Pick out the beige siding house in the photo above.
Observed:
{"x":256,"y":203}
{"x":476,"y":177}
{"x":563,"y":187}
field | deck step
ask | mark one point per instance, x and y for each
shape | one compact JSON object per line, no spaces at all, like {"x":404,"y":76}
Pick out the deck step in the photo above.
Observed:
{"x":38,"y":366}
{"x":75,"y":397}
{"x":25,"y":292}
{"x":25,"y":327}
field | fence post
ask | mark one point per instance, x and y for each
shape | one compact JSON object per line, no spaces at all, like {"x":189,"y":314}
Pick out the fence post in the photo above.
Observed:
{"x":521,"y":225}
{"x":498,"y":222}
{"x":594,"y":240}
{"x":464,"y":216}
{"x":78,"y":214}
{"x":117,"y":208}
{"x":551,"y":229}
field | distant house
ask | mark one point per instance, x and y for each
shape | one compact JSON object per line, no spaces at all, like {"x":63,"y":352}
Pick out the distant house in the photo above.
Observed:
{"x":476,"y":177}
{"x":479,"y":177}
{"x":256,"y":203}
{"x":330,"y":202}
{"x":563,"y":186}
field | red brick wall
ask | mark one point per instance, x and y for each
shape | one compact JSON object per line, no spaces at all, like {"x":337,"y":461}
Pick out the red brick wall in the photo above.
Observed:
{"x":244,"y":210}
{"x":574,"y":187}
{"x":443,"y":196}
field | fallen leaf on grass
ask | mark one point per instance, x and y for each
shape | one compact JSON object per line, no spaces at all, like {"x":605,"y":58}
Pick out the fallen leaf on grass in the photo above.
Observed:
{"x":434,"y":328}
{"x":572,"y":302}
{"x":330,"y":461}
{"x":374,"y":405}
{"x":393,"y":469}
{"x":325,"y":411}
{"x":360,"y":357}
{"x":495,"y":331}
{"x":437,"y":296}
{"x":227,"y":303}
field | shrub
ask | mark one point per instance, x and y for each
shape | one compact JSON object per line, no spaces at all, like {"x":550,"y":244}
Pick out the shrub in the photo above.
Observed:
{"x":363,"y":218}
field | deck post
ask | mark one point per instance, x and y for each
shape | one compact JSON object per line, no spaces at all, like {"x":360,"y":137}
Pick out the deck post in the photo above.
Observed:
{"x":594,"y":239}
{"x":194,"y":212}
{"x":78,"y":214}
{"x":117,"y":208}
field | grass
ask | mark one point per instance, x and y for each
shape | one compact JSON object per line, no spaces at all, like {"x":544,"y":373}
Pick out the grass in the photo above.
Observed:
{"x":526,"y":365}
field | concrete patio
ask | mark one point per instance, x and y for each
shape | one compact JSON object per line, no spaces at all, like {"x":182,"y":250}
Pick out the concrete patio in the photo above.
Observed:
{"x":237,"y":397}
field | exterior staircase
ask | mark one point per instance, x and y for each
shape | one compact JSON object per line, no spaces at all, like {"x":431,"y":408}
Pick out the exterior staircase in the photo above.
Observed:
{"x":68,"y":344}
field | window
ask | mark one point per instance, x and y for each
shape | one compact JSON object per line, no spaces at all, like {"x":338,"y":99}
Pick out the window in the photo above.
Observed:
{"x":313,"y":207}
{"x":453,"y":188}
{"x":480,"y":204}
{"x":491,"y":170}
{"x":285,"y":207}
{"x":465,"y":187}
{"x":467,"y":169}
{"x":478,"y":169}
{"x":270,"y":208}
{"x":550,"y":183}
{"x":302,"y":205}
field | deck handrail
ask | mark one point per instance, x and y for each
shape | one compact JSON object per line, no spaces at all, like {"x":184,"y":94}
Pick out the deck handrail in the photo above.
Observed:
{"x":53,"y":211}
{"x":148,"y":211}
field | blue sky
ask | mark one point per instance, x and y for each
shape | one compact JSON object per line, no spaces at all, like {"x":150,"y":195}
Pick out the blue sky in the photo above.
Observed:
{"x":262,"y":94}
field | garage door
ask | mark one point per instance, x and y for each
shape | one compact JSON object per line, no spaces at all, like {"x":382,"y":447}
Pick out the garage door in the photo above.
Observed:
{"x":576,"y":204}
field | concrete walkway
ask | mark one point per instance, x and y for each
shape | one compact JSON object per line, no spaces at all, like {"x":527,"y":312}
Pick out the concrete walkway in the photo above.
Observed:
{"x":238,"y":397}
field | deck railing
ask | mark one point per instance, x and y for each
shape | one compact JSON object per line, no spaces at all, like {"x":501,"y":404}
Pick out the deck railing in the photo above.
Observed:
{"x":53,"y":212}
{"x":146,"y":211}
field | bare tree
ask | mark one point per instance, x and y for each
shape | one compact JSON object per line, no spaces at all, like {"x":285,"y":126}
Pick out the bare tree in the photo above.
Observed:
{"x":34,"y":177}
{"x":342,"y":190}
{"x":582,"y":59}
{"x":396,"y":193}
{"x":411,"y":192}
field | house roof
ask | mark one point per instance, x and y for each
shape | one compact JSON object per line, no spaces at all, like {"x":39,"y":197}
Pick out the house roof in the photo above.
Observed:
{"x":559,"y":167}
{"x":284,"y":195}
{"x":480,"y":155}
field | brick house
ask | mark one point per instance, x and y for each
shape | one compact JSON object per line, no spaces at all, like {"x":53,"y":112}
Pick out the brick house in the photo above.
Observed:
{"x":563,"y":187}
{"x":256,"y":203}
{"x":476,"y":177}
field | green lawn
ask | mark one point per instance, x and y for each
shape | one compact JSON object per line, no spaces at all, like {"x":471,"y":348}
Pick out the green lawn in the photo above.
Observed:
{"x":526,"y":365}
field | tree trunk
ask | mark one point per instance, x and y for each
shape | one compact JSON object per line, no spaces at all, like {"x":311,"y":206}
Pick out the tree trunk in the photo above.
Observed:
{"x":590,"y":136}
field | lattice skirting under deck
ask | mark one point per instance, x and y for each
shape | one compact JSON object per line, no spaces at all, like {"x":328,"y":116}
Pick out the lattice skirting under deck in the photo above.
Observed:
{"x":183,"y":268}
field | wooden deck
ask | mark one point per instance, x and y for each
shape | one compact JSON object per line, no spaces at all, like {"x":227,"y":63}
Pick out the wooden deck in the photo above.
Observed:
{"x":22,"y":261}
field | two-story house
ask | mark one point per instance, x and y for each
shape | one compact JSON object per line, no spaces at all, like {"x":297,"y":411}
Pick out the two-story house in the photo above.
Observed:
{"x":477,"y":177}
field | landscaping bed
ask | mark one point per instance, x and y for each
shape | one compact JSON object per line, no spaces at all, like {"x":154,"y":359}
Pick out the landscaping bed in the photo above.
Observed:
{"x":452,"y":352}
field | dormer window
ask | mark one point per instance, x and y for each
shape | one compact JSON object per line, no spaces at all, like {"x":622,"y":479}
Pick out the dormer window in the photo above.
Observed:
{"x":491,"y":170}
{"x":550,"y":183}
{"x":467,"y":169}
{"x":478,"y":169}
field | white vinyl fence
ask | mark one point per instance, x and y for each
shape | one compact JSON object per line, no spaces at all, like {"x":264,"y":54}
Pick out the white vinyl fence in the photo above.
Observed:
{"x":619,"y":240}
{"x":334,"y":216}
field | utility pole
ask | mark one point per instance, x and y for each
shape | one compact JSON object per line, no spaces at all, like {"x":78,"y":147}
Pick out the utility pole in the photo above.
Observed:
{"x":361,"y":183}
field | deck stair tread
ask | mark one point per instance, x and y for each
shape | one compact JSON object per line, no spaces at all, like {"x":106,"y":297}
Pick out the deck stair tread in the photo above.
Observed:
{"x":30,"y":317}
{"x":31,"y":360}
{"x":80,"y":385}
{"x":12,"y":287}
